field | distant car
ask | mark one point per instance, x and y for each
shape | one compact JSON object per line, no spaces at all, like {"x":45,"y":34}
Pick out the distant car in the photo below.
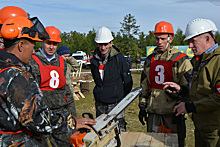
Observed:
{"x":142,"y":61}
{"x":81,"y":58}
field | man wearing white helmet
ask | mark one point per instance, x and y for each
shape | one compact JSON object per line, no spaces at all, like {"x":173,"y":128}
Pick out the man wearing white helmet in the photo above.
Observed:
{"x":204,"y":84}
{"x":111,"y":75}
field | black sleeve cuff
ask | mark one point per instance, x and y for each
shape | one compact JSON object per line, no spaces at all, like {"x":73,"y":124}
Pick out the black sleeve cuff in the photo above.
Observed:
{"x":183,"y":91}
{"x":190,"y":107}
{"x":142,"y":105}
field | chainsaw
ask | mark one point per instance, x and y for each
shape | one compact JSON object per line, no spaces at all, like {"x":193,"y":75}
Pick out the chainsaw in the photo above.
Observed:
{"x":106,"y":132}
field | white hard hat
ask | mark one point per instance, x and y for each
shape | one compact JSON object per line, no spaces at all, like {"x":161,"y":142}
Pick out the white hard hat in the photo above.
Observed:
{"x":199,"y":26}
{"x":213,"y":25}
{"x":103,"y":35}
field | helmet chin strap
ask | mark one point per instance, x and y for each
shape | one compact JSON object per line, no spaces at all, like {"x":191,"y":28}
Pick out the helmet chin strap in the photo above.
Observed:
{"x":168,"y":42}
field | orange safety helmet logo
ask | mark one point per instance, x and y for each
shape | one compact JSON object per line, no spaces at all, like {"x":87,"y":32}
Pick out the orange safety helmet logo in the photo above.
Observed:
{"x":164,"y":27}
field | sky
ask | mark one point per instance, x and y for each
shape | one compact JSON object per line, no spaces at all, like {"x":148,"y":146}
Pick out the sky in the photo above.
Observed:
{"x":84,"y":15}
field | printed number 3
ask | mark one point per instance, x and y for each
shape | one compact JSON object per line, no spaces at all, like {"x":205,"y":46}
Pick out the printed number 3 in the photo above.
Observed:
{"x":160,"y":78}
{"x":54,"y":81}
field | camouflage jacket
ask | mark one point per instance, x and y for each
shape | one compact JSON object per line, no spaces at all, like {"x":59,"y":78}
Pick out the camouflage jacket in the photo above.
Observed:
{"x":21,"y":113}
{"x":72,"y":66}
{"x":54,"y":99}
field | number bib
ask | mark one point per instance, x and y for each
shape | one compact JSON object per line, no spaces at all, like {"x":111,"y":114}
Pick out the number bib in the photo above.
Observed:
{"x":161,"y":71}
{"x":52,"y":77}
{"x":101,"y":71}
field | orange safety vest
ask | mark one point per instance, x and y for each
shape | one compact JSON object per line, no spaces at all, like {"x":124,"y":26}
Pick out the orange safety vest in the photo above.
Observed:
{"x":52,"y":77}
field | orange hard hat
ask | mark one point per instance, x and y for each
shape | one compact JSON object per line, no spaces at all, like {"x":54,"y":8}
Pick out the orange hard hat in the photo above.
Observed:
{"x":54,"y":34}
{"x":164,"y":27}
{"x":20,"y":27}
{"x":11,"y":11}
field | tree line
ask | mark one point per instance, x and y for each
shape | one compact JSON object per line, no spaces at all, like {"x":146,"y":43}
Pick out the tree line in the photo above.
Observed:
{"x":129,"y":39}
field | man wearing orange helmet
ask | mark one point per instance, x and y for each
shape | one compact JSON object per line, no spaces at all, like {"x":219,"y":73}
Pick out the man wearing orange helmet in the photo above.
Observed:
{"x":49,"y":70}
{"x":7,"y":13}
{"x":166,"y":63}
{"x":23,"y":119}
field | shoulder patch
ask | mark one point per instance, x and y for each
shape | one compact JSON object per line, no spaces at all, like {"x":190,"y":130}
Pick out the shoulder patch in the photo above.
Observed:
{"x":218,"y":89}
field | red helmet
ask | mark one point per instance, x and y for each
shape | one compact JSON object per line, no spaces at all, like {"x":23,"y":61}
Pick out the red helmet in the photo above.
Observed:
{"x":164,"y":27}
{"x":54,"y":34}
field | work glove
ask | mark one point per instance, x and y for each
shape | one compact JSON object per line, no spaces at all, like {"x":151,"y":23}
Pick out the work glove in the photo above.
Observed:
{"x":142,"y":115}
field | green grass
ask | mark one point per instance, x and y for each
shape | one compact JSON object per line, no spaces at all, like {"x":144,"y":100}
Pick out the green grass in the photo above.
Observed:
{"x":131,"y":112}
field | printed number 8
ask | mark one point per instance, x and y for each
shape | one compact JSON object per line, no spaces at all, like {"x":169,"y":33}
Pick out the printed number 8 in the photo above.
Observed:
{"x":54,"y":81}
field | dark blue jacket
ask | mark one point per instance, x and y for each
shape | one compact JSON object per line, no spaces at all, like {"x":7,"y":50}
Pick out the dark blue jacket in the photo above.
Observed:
{"x":117,"y":81}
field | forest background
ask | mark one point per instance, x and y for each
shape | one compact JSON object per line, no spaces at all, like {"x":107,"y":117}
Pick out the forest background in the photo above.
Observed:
{"x":130,"y":39}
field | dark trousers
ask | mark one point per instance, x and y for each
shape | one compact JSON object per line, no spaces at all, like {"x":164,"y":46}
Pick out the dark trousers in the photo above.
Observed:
{"x":207,"y":138}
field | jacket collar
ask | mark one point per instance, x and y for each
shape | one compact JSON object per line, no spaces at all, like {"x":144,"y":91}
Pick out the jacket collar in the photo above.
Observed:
{"x":207,"y":56}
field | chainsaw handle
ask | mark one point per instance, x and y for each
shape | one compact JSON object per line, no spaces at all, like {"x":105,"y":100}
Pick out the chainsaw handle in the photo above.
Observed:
{"x":89,"y":114}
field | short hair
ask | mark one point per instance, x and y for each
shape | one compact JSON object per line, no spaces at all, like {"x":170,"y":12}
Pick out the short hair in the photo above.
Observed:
{"x":11,"y":42}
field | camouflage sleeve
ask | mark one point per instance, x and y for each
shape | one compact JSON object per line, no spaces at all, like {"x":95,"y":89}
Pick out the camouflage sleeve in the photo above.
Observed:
{"x":72,"y":61}
{"x":24,"y":96}
{"x":35,"y":70}
{"x":68,"y":93}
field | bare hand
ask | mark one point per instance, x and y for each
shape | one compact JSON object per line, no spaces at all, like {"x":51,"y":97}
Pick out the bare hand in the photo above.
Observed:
{"x":180,"y":108}
{"x":173,"y":85}
{"x":84,"y":123}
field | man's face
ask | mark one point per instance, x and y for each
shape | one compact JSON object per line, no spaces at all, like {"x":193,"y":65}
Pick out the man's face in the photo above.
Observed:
{"x":198,"y":44}
{"x":65,"y":56}
{"x":104,"y":47}
{"x":49,"y":47}
{"x":161,"y":41}
{"x":28,"y":48}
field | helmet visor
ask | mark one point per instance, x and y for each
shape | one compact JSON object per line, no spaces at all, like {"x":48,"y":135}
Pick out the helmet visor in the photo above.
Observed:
{"x":38,"y":27}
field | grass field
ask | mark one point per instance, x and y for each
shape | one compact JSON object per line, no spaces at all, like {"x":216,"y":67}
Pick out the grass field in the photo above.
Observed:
{"x":133,"y":125}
